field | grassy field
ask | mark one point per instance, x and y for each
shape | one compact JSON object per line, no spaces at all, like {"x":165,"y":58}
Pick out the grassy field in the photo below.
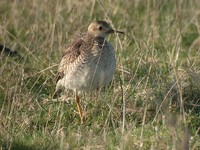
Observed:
{"x":153,"y":101}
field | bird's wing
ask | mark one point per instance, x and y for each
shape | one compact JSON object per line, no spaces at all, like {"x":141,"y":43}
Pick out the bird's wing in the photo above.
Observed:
{"x":71,"y":54}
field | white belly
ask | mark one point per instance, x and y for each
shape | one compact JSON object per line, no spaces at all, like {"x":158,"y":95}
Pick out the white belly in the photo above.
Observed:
{"x":93,"y":75}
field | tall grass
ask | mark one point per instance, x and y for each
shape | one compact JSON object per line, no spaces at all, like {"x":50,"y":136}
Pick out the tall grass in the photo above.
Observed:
{"x":153,"y":101}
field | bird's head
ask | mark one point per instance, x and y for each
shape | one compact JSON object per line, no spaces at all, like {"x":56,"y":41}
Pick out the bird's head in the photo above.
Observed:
{"x":101,"y":29}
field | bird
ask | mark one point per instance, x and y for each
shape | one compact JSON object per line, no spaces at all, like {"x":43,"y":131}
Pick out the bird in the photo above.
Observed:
{"x":11,"y":53}
{"x":88,"y":63}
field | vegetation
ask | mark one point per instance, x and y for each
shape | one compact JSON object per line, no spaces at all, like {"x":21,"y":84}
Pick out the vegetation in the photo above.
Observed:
{"x":153,"y":101}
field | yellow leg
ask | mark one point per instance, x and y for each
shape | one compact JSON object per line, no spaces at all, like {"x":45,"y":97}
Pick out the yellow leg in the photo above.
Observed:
{"x":79,"y":106}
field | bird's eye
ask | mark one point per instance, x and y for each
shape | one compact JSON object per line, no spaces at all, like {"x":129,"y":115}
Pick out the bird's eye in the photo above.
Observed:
{"x":100,"y":28}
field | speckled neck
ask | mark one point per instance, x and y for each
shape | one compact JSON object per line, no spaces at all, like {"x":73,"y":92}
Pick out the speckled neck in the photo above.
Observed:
{"x":94,"y":40}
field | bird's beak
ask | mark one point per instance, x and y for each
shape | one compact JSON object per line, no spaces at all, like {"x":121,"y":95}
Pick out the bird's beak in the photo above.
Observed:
{"x":115,"y":31}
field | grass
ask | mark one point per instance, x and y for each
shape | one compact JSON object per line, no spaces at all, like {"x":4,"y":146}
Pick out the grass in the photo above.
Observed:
{"x":153,"y":101}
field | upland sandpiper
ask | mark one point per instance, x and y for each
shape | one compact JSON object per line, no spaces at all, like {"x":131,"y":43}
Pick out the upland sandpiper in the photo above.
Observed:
{"x":89,"y":62}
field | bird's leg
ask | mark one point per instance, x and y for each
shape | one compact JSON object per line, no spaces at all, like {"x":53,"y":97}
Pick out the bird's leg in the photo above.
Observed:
{"x":78,"y":106}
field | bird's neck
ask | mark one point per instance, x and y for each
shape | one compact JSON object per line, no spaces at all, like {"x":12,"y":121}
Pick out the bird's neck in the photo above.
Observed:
{"x":100,"y":41}
{"x":91,"y":41}
{"x":90,"y":37}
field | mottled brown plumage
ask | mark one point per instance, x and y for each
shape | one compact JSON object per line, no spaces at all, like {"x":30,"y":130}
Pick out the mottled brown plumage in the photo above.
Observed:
{"x":71,"y":54}
{"x":88,"y":63}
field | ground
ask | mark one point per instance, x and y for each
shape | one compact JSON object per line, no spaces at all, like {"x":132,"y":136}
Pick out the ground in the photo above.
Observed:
{"x":153,"y":101}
